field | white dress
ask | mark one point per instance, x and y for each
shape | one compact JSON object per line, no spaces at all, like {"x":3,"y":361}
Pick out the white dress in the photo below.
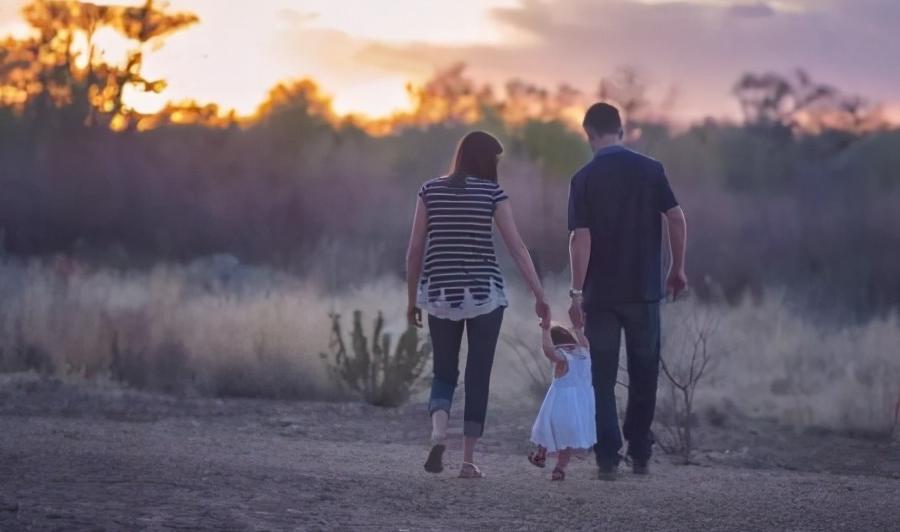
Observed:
{"x":566,"y":419}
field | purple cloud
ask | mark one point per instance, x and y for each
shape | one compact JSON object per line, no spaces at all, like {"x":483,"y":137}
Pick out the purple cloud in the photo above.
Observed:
{"x":700,"y":48}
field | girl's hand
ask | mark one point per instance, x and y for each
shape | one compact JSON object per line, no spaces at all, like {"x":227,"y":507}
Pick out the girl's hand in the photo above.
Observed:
{"x":560,"y":368}
{"x":414,"y":316}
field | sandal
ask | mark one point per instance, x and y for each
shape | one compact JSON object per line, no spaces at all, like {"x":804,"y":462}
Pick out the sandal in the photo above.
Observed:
{"x":435,"y":461}
{"x":558,"y":474}
{"x":538,"y":458}
{"x":469,"y":470}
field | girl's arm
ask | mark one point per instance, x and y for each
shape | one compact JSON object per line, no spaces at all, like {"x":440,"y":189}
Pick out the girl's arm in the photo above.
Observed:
{"x":414,"y":253}
{"x":582,"y":339}
{"x":560,"y":363}
{"x":510,"y":233}
{"x":548,"y":347}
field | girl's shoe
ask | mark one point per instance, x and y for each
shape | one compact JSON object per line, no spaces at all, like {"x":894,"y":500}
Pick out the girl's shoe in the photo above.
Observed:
{"x":558,"y":474}
{"x":538,"y":458}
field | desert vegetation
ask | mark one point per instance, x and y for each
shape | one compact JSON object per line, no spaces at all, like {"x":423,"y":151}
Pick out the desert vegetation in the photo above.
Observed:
{"x":194,"y":251}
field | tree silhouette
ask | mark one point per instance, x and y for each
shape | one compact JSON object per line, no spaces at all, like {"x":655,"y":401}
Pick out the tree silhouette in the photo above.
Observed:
{"x":796,"y":103}
{"x":52,"y":81}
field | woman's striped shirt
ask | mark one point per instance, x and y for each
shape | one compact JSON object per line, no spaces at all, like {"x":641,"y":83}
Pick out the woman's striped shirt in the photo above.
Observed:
{"x":461,"y":278}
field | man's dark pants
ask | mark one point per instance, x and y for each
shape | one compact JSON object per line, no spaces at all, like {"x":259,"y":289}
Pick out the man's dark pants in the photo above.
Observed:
{"x":603,"y":327}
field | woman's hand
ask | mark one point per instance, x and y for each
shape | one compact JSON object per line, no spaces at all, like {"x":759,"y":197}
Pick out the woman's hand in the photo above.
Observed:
{"x":542,"y":309}
{"x":414,"y":316}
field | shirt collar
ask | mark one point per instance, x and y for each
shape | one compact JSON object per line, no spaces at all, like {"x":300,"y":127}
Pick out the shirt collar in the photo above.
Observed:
{"x":614,"y":148}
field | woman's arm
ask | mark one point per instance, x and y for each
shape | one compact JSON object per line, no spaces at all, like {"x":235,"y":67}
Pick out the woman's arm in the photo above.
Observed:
{"x":503,"y":217}
{"x":414,"y":253}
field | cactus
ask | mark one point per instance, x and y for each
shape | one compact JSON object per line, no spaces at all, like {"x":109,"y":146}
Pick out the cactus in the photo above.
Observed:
{"x":371,"y":370}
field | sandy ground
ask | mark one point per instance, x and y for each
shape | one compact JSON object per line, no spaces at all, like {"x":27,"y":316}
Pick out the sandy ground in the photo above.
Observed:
{"x":75,"y":456}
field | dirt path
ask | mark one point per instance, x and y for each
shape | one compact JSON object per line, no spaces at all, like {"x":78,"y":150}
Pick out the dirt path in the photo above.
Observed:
{"x":75,"y":458}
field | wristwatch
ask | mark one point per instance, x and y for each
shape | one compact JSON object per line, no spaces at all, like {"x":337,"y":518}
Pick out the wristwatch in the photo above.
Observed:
{"x":575,"y":292}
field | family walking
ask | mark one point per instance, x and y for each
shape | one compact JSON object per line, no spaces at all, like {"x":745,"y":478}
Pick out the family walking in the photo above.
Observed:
{"x":616,"y":203}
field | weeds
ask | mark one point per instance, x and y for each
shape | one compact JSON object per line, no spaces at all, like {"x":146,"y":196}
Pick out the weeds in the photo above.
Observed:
{"x":369,"y":369}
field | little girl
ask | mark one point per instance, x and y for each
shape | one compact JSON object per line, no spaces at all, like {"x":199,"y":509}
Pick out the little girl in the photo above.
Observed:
{"x":566,"y":420}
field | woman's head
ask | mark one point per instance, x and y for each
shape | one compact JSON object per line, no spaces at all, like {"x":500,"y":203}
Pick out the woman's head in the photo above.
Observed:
{"x":559,"y":335}
{"x":477,"y":156}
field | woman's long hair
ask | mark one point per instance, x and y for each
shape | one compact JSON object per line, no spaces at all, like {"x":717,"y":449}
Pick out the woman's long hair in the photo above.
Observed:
{"x":476,"y":156}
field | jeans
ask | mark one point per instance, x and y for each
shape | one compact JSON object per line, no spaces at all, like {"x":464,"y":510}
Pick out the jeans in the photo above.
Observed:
{"x":603,"y":327}
{"x":446,"y":337}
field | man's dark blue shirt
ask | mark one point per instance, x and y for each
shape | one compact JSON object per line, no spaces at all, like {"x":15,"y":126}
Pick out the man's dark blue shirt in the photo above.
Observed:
{"x":619,"y":195}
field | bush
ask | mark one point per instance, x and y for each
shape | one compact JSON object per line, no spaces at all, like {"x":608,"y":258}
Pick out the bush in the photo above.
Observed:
{"x":371,"y":371}
{"x":684,"y":365}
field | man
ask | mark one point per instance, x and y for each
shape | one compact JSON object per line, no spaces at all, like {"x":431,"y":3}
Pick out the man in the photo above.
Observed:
{"x":616,"y":203}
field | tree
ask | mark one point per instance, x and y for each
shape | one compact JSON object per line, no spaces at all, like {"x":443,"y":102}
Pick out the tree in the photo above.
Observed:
{"x":448,"y":97}
{"x":52,"y":80}
{"x":797,"y":104}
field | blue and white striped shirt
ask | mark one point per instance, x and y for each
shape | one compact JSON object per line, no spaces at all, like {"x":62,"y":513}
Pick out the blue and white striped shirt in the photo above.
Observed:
{"x":461,"y":278}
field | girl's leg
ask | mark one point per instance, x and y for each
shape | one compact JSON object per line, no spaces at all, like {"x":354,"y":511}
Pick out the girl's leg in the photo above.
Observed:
{"x":483,"y":333}
{"x":562,"y":459}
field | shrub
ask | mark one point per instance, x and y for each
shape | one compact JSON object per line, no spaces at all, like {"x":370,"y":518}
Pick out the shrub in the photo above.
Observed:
{"x":684,"y":366}
{"x":380,"y":378}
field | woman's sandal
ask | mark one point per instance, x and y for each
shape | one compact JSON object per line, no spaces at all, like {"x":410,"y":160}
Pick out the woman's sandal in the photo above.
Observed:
{"x":435,"y":461}
{"x":469,"y":470}
{"x":537,"y":458}
{"x":558,"y":474}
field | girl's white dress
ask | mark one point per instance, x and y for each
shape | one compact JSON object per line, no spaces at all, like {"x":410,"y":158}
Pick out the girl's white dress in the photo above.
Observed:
{"x":566,"y":419}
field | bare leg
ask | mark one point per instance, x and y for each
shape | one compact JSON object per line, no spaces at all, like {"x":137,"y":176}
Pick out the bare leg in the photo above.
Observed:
{"x":435,"y":461}
{"x":562,"y":460}
{"x":439,"y":421}
{"x":469,"y":449}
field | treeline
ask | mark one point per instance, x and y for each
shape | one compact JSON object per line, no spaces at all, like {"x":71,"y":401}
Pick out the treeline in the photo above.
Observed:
{"x":802,"y":195}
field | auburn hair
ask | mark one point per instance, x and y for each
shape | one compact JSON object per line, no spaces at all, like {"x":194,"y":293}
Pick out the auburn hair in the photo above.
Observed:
{"x":476,"y":156}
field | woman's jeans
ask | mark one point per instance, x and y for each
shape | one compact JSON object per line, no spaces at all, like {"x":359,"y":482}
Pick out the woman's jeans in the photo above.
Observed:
{"x":446,"y":338}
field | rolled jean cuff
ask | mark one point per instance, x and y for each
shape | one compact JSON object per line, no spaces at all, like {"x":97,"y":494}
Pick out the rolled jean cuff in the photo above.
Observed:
{"x":473,"y":429}
{"x":437,"y":403}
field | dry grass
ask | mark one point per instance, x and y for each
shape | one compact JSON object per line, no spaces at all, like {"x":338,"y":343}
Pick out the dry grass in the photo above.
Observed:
{"x":219,"y":328}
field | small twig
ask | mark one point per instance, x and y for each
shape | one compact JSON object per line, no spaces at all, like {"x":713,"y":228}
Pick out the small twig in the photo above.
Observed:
{"x":896,"y":416}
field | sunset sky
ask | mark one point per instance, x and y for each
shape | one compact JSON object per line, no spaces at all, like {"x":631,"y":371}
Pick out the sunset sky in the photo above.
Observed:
{"x":364,"y":51}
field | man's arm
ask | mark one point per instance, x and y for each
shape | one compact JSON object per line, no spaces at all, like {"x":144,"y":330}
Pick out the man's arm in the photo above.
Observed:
{"x":676,"y":283}
{"x":579,"y":255}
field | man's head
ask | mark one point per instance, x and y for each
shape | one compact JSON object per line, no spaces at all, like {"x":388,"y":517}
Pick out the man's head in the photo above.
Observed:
{"x":603,"y":125}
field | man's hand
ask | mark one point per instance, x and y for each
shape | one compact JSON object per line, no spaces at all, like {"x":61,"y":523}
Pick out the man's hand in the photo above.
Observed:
{"x":414,"y":316}
{"x":676,"y":284}
{"x":576,"y":313}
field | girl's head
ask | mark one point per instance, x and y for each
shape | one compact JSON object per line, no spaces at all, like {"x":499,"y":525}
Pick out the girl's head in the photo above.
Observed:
{"x":559,"y":335}
{"x":477,"y":156}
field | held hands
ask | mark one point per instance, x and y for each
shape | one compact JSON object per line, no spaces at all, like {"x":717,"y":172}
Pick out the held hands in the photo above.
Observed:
{"x":576,"y":312}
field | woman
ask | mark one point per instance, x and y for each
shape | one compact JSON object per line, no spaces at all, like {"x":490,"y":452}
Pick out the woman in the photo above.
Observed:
{"x":460,"y":286}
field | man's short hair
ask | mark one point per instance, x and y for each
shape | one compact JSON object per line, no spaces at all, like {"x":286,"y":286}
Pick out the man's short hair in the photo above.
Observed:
{"x":603,"y":119}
